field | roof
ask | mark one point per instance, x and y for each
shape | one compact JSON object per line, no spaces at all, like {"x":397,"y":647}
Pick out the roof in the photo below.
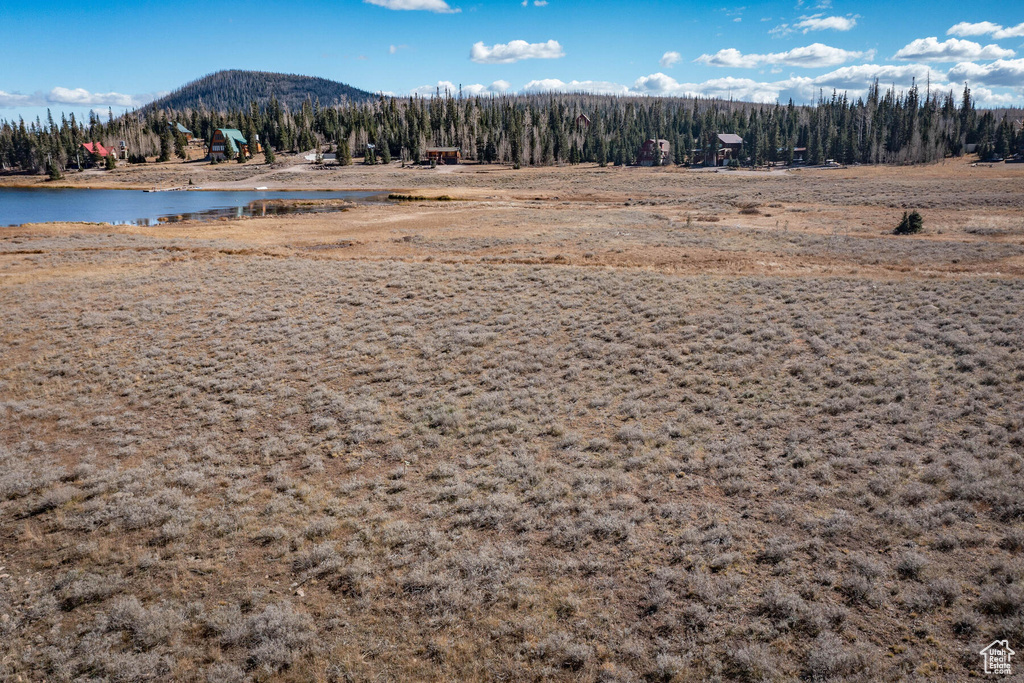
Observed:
{"x":443,"y":149}
{"x":231,"y":136}
{"x":730,"y":139}
{"x":660,"y":141}
{"x":180,"y":128}
{"x":96,"y":148}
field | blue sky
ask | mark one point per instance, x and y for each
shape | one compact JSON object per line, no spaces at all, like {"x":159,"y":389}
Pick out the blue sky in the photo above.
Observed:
{"x":81,"y":56}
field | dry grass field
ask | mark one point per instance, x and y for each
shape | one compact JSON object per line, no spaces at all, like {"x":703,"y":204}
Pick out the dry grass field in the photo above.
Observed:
{"x":580,"y":424}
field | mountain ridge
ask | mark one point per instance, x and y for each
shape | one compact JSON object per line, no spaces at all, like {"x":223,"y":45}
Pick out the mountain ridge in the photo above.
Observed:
{"x":236,"y":88}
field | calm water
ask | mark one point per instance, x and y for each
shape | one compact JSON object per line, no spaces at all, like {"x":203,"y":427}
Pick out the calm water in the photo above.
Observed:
{"x":18,"y":206}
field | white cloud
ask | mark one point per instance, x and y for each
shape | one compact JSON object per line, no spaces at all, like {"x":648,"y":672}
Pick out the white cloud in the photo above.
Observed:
{"x":82,"y":97}
{"x":8,"y":99}
{"x":985,"y":28}
{"x":860,"y":76}
{"x":987,"y":98}
{"x":819,"y":22}
{"x":952,"y":50}
{"x":812,"y":56}
{"x":540,"y":3}
{"x":395,"y":48}
{"x":556,"y":85}
{"x":514,"y":51}
{"x":853,"y":80}
{"x":735,"y":88}
{"x":78,"y":97}
{"x":472,"y":90}
{"x":439,"y":6}
{"x":669,"y":59}
{"x":1002,"y":72}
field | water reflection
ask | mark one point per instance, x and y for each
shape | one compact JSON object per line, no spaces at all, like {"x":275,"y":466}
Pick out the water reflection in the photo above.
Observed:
{"x":19,"y":206}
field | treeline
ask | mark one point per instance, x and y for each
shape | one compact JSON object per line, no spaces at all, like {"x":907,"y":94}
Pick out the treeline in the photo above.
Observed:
{"x":539,"y":130}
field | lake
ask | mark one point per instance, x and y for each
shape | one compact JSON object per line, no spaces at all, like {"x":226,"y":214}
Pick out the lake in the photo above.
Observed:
{"x":136,"y":207}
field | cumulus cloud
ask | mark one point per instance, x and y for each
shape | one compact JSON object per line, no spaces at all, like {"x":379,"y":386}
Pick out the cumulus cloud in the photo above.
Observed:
{"x":982,"y":28}
{"x":988,"y":98}
{"x":816,"y":22}
{"x":812,"y":56}
{"x":471,"y":90}
{"x":669,"y":59}
{"x":860,"y":76}
{"x":556,"y":85}
{"x":514,"y":51}
{"x":819,"y":22}
{"x":952,"y":50}
{"x":439,"y":6}
{"x":83,"y":97}
{"x":853,"y":80}
{"x":726,"y":88}
{"x":8,"y":99}
{"x":77,"y":97}
{"x":1002,"y":72}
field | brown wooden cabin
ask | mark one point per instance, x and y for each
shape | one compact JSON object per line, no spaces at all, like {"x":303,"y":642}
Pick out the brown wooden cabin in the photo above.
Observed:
{"x":228,"y":137}
{"x":444,"y":155}
{"x":655,"y":153}
{"x":178,"y":128}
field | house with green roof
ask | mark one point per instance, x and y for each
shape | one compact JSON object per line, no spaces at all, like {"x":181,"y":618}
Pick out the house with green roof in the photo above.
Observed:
{"x":224,"y":139}
{"x":178,"y":128}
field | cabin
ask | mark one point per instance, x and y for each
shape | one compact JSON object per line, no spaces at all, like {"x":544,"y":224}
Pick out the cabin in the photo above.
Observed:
{"x":654,"y":153}
{"x":583,"y":121}
{"x":178,"y":128}
{"x":95,"y":149}
{"x":729,"y":147}
{"x":799,"y":155}
{"x":444,"y":155}
{"x":228,"y":138}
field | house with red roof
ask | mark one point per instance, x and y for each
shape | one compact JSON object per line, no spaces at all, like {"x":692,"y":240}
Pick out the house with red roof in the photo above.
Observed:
{"x":97,"y":149}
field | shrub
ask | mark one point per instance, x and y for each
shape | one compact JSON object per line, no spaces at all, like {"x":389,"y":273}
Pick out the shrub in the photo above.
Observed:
{"x":829,"y":659}
{"x":911,"y":224}
{"x":146,"y":628}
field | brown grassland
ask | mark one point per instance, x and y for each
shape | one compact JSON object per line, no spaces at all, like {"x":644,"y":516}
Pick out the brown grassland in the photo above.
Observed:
{"x":578,"y":424}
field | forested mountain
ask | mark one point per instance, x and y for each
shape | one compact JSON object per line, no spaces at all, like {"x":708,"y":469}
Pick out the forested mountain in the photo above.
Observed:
{"x":234,"y":89}
{"x":538,"y":130}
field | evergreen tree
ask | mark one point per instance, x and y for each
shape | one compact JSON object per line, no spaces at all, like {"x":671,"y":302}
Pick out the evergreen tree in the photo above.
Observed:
{"x":165,"y":146}
{"x":344,"y":154}
{"x":180,"y":144}
{"x":268,"y":154}
{"x":911,"y":224}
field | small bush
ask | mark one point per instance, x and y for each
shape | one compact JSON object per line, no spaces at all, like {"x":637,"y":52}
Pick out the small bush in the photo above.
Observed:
{"x":911,"y":224}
